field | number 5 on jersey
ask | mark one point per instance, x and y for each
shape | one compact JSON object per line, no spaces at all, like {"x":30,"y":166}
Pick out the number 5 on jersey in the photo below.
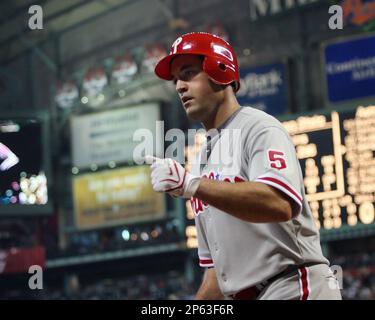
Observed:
{"x":276,"y":159}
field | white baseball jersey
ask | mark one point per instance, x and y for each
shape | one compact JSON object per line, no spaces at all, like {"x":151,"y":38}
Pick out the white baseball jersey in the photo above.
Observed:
{"x":253,"y":146}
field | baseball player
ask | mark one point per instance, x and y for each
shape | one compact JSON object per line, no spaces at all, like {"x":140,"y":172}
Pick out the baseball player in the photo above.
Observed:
{"x":256,"y":235}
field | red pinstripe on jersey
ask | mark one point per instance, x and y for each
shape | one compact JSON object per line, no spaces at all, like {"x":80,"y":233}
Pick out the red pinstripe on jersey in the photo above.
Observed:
{"x":304,"y":283}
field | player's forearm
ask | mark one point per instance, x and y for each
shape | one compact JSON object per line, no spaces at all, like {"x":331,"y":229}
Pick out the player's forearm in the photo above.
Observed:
{"x":208,"y":293}
{"x":209,"y":289}
{"x":249,"y":201}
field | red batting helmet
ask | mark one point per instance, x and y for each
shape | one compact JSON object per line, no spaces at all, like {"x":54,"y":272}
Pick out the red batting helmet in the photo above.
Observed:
{"x":220,"y":61}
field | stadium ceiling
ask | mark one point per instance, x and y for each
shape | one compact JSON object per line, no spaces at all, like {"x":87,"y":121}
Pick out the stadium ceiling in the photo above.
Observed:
{"x":59,"y":16}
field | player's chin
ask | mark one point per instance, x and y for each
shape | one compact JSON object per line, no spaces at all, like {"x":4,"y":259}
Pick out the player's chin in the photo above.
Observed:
{"x":193,"y":112}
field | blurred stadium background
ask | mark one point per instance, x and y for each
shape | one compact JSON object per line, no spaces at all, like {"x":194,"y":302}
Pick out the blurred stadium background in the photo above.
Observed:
{"x":73,"y":93}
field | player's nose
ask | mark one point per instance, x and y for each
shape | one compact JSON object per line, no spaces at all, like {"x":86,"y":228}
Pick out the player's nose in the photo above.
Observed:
{"x":181,"y":86}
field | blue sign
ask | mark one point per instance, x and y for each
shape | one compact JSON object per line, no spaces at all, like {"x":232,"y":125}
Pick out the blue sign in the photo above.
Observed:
{"x":264,"y":88}
{"x":350,"y":69}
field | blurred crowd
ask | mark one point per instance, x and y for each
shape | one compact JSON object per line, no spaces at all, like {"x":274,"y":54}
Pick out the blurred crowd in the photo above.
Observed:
{"x":17,"y":233}
{"x":355,"y":257}
{"x":166,"y":286}
{"x":358,"y":284}
{"x":358,"y":276}
{"x":115,"y":239}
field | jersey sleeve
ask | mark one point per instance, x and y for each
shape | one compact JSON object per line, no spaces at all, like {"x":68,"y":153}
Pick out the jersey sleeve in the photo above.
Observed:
{"x":205,"y":259}
{"x":273,"y":161}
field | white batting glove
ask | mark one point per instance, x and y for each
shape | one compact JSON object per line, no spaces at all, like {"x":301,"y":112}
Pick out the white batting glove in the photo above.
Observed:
{"x":169,"y":176}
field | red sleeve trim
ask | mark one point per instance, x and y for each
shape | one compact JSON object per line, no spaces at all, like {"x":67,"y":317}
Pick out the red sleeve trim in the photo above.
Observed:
{"x":206,"y":262}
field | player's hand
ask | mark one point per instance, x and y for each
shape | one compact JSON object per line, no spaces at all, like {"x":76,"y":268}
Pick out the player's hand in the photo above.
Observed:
{"x":169,"y":176}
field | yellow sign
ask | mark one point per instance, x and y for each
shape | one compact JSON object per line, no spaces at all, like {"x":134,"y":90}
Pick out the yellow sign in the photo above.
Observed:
{"x":115,"y":197}
{"x":336,"y":153}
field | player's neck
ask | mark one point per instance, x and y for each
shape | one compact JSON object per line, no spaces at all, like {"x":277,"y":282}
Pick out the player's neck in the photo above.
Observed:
{"x":223,"y":112}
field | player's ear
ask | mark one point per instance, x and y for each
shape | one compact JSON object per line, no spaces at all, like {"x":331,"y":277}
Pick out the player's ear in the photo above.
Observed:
{"x":217,"y":87}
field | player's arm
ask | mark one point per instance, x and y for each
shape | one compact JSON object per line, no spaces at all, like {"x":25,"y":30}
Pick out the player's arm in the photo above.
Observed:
{"x":271,"y":193}
{"x":209,"y":289}
{"x":249,"y":201}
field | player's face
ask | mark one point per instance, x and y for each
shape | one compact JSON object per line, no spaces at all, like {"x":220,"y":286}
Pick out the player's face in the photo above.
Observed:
{"x":199,"y":95}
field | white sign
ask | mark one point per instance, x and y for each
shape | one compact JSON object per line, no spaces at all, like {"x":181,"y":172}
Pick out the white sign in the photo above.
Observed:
{"x":263,"y":8}
{"x":100,"y":138}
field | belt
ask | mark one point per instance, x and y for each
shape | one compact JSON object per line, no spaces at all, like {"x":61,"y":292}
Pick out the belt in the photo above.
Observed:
{"x":251,"y":293}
